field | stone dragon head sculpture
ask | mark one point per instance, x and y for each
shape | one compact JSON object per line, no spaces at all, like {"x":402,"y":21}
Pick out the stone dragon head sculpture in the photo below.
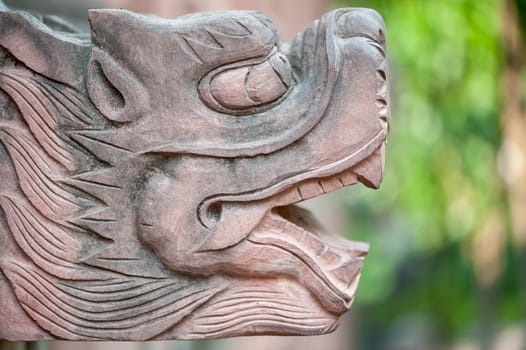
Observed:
{"x":149,"y":172}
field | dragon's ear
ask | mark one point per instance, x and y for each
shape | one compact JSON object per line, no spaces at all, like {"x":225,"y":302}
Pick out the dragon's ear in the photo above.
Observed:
{"x":116,"y":93}
{"x":111,"y":78}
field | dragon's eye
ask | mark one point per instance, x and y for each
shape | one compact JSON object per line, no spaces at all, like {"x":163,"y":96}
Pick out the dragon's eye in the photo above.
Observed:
{"x":243,"y":87}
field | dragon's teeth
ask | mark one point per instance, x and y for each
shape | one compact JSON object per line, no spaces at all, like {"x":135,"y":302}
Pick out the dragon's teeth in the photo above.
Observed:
{"x":314,"y":243}
{"x":331,"y":184}
{"x":329,"y":257}
{"x":310,"y":189}
{"x":347,"y":271}
{"x":348,"y":178}
{"x":351,"y":289}
{"x":295,"y":231}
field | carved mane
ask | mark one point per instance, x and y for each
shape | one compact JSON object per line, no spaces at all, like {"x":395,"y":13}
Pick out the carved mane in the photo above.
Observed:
{"x":52,"y":215}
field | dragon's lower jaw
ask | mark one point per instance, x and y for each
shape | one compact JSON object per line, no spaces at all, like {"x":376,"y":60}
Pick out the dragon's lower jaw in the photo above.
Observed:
{"x":334,"y":269}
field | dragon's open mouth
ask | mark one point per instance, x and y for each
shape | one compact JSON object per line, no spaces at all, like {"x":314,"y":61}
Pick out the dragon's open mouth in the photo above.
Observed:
{"x":334,"y":261}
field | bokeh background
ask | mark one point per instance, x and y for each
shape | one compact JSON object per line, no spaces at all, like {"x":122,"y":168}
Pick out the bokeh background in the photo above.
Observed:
{"x":447,"y":266}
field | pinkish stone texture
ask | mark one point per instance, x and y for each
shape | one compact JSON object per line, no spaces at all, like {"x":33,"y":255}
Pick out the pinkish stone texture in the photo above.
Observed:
{"x":148,"y":172}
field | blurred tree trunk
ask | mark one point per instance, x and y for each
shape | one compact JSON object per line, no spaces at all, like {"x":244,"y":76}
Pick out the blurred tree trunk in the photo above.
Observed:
{"x":513,"y":122}
{"x":488,"y":254}
{"x":514,"y":118}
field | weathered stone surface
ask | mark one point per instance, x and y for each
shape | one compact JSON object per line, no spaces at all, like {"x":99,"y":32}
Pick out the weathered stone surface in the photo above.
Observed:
{"x":148,"y":172}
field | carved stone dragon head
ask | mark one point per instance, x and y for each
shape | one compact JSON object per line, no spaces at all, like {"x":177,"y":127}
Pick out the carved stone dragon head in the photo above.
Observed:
{"x":149,"y":172}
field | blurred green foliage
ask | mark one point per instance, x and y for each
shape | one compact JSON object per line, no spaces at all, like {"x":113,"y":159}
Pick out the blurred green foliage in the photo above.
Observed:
{"x":441,"y":182}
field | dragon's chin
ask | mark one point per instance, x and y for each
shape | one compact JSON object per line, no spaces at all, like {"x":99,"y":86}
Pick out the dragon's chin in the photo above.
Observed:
{"x":256,"y":307}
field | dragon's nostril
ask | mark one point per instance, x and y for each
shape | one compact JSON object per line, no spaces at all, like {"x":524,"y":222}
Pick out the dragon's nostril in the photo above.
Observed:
{"x":360,"y":22}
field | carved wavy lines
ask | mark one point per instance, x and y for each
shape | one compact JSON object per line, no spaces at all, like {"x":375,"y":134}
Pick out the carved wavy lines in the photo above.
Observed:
{"x":38,"y":177}
{"x":101,"y":183}
{"x":203,"y":38}
{"x":197,"y":42}
{"x":231,"y":29}
{"x":47,"y":244}
{"x":68,"y":102}
{"x":123,"y":305}
{"x":39,"y":113}
{"x":245,"y":309}
{"x":98,"y":145}
{"x":143,"y":312}
{"x":93,"y":288}
{"x":118,"y":284}
{"x":190,"y":50}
